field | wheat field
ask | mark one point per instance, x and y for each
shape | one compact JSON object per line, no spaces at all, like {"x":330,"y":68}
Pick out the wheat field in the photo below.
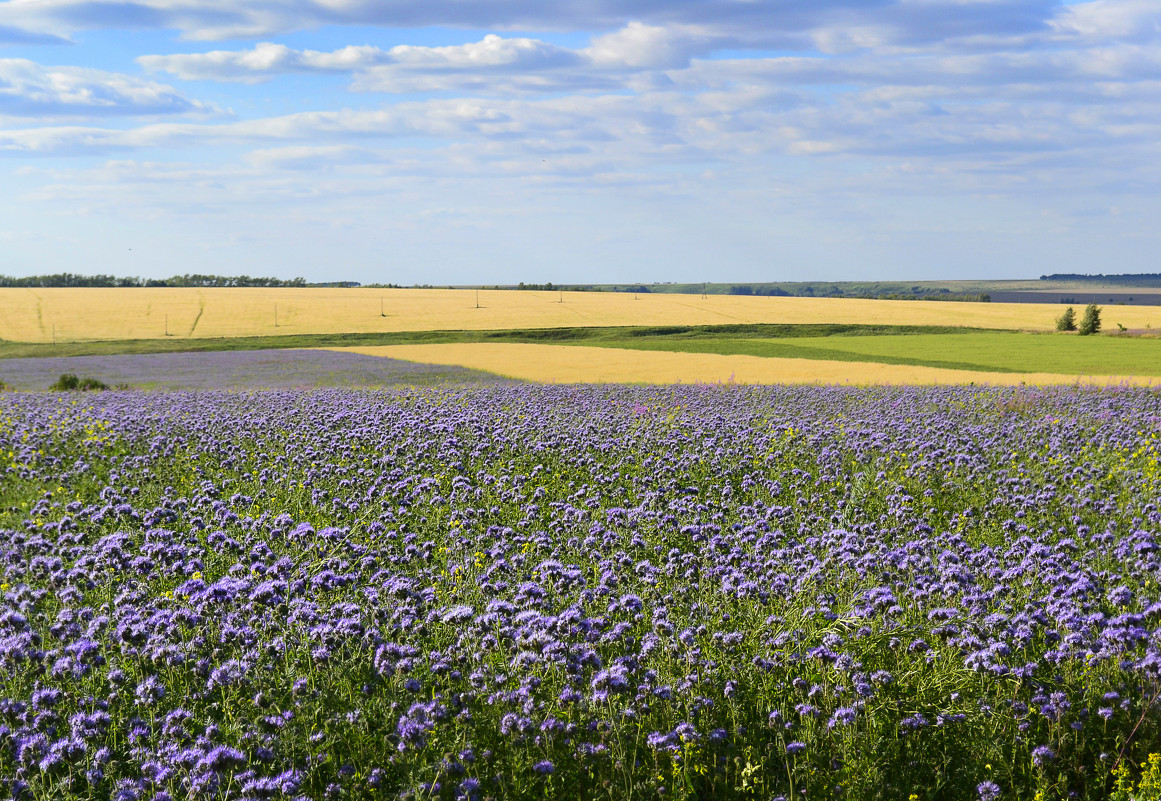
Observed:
{"x":567,"y":364}
{"x":71,"y":315}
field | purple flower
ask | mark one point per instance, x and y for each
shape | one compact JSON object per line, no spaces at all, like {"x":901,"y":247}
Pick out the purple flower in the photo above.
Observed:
{"x":988,"y":791}
{"x":843,"y":716}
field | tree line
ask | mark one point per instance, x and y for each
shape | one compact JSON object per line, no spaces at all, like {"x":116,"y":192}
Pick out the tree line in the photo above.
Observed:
{"x":1126,"y":279}
{"x":188,"y":280}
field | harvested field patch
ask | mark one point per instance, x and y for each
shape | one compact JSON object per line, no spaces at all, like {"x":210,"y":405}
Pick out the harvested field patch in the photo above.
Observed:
{"x":579,"y":364}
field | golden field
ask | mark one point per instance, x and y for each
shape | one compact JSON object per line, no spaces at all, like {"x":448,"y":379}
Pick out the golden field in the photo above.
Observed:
{"x":579,"y":364}
{"x":37,"y":315}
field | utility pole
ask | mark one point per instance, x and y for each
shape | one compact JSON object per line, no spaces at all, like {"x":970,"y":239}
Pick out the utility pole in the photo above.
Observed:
{"x":275,"y":315}
{"x":477,"y":298}
{"x":54,"y":333}
{"x":167,"y":325}
{"x":381,"y":312}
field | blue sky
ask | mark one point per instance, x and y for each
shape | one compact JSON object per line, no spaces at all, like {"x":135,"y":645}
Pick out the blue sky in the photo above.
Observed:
{"x":425,"y":141}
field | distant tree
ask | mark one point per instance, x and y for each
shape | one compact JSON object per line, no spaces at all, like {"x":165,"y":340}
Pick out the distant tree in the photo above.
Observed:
{"x":1091,"y":322}
{"x":1066,"y":321}
{"x":741,"y":289}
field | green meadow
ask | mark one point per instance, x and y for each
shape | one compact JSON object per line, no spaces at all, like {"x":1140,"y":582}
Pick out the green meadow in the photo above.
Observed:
{"x":987,"y":351}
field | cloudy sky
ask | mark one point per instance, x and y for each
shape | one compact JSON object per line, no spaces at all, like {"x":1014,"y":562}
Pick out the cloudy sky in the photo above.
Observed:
{"x":465,"y":141}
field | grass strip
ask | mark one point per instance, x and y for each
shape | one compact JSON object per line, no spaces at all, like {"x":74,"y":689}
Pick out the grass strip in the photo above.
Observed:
{"x":585,"y":335}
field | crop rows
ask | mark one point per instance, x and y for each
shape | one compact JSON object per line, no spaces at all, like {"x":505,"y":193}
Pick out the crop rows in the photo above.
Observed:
{"x":559,"y":592}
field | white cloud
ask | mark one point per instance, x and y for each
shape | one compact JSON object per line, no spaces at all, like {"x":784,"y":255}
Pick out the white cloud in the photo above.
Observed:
{"x":494,"y":63}
{"x":757,"y":23}
{"x":1109,"y":19}
{"x":726,"y":112}
{"x":262,"y":62}
{"x":28,"y":89}
{"x":641,"y":46}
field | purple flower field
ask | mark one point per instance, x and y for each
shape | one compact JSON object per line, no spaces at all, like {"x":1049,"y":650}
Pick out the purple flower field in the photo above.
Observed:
{"x":526,"y":592}
{"x":236,"y":369}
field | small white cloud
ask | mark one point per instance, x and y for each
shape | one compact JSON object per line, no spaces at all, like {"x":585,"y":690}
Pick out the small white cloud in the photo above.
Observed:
{"x":641,"y":46}
{"x":1109,"y":19}
{"x":261,"y":63}
{"x":492,"y":52}
{"x":839,"y":39}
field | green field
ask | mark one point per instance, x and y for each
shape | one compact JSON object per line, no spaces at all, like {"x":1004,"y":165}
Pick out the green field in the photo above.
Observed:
{"x":985,"y":351}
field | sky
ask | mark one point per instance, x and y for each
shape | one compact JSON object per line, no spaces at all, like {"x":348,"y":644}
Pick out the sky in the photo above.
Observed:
{"x":580,"y":141}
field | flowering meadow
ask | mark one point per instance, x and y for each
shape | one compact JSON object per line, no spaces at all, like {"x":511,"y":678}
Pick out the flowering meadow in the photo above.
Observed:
{"x":527,"y":592}
{"x":281,"y":368}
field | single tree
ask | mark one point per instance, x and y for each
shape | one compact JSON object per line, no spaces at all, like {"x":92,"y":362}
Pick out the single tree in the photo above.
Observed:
{"x":1066,"y":321}
{"x":1091,"y":322}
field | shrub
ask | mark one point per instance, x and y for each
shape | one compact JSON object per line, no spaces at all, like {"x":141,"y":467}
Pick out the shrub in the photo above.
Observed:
{"x":1066,"y":321}
{"x":1091,"y":322}
{"x":68,"y":382}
